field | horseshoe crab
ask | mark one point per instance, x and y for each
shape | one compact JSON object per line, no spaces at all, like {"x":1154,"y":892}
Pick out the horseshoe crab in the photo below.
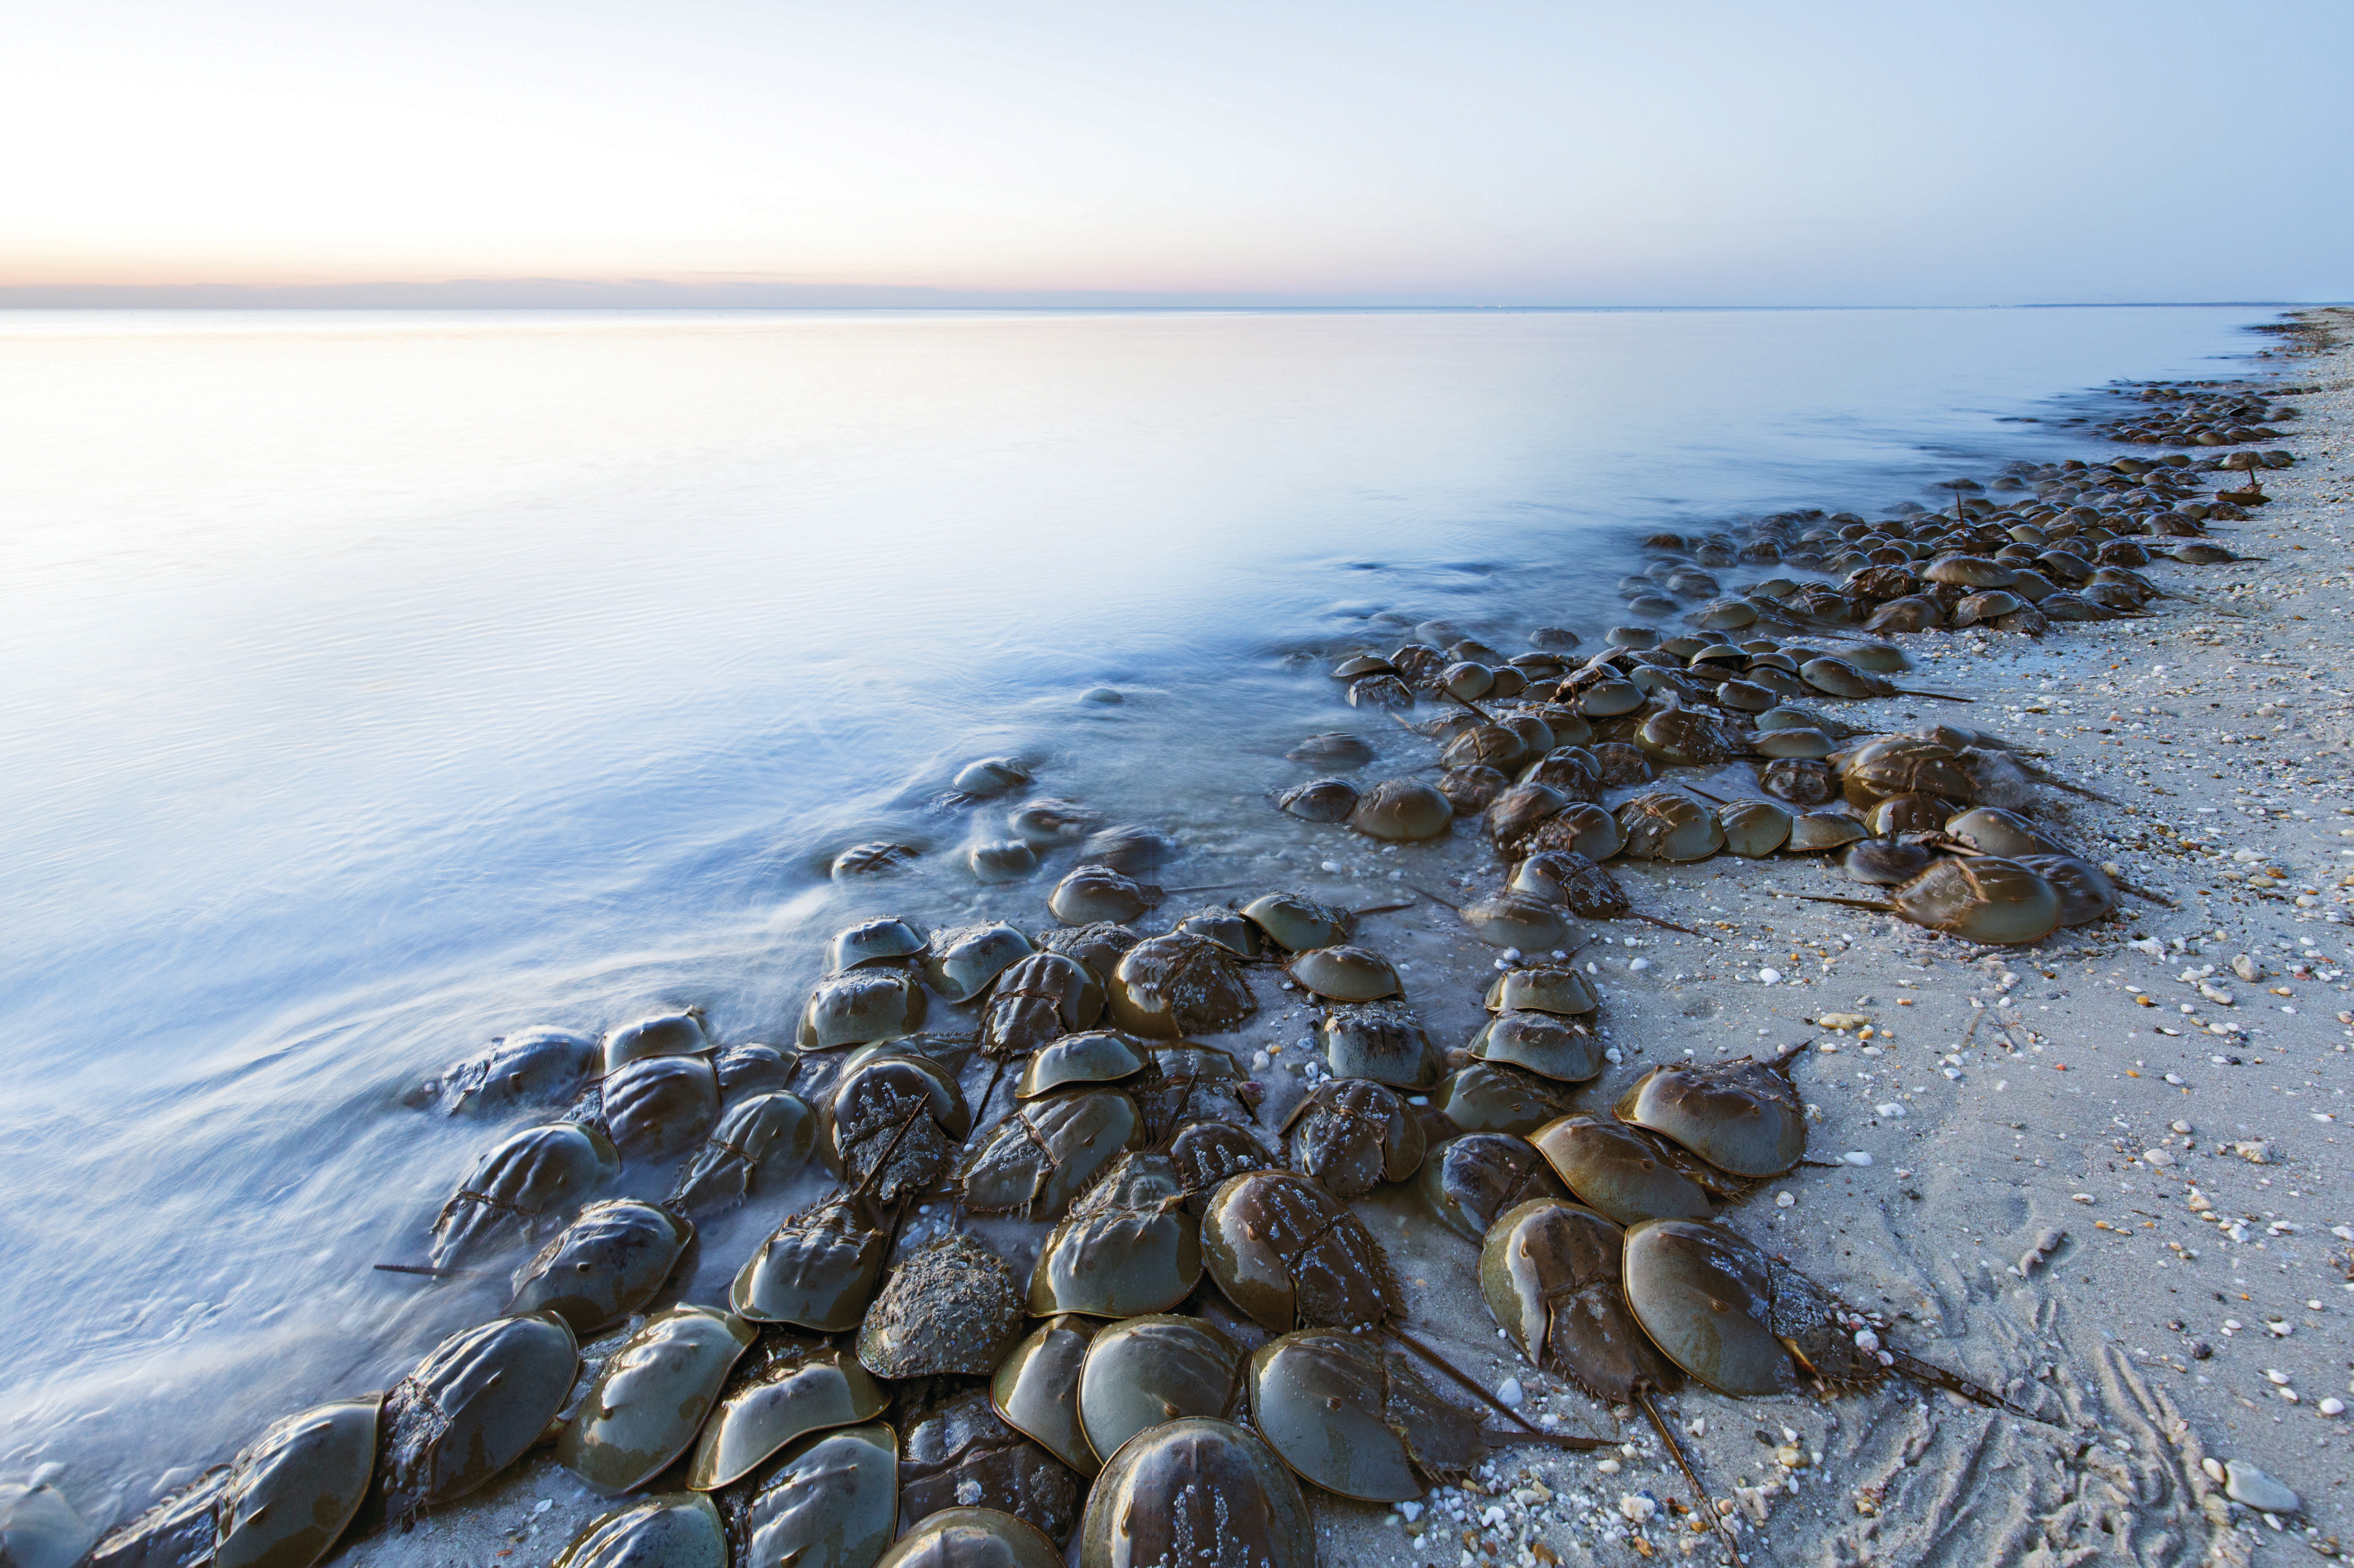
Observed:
{"x":1884,"y":863}
{"x":1357,"y":1420}
{"x":1510,"y":919}
{"x":1567,"y":1049}
{"x":1572,"y":880}
{"x":871,"y":859}
{"x":1171,"y":986}
{"x":965,"y":1537}
{"x":1351,"y":1134}
{"x":1318,"y":800}
{"x":1403,"y":811}
{"x":1044,"y":823}
{"x":670,"y":1034}
{"x":1332,"y":748}
{"x":1345,"y":974}
{"x":1224,"y":927}
{"x":1753,"y":829}
{"x":817,"y":1271}
{"x":532,"y":1067}
{"x":1127,"y":1247}
{"x":1985,"y":899}
{"x":1490,"y":1097}
{"x":1289,"y":1254}
{"x":1036,"y":1390}
{"x":1901,"y":764}
{"x":666,"y":1530}
{"x":1744,"y":1116}
{"x":794,"y":1387}
{"x":1186,"y":1082}
{"x":1630,"y":1174}
{"x":879,"y":1086}
{"x":1204,"y":1153}
{"x":1127,"y":848}
{"x":1099,"y":947}
{"x":528,"y":1176}
{"x":1100,"y":894}
{"x":606,"y":1265}
{"x":1296,"y":923}
{"x":1580,"y":828}
{"x":766,"y":1136}
{"x":1383,"y":1042}
{"x":649,"y":1399}
{"x":1988,"y":829}
{"x":1037,"y":1161}
{"x":1838,"y":678}
{"x":830,"y":1500}
{"x":470,"y":1409}
{"x":2085,"y":892}
{"x":964,"y":1449}
{"x":1197,"y":1491}
{"x":1568,"y":771}
{"x":1039,"y":999}
{"x":1097,"y":1056}
{"x":1747,"y":1324}
{"x":886,"y":940}
{"x":1797,"y":781}
{"x":960,"y":963}
{"x":953,"y":1306}
{"x":283,"y":1502}
{"x":1541,"y":988}
{"x":1471,"y":1180}
{"x":1148,"y":1369}
{"x":1658,"y":825}
{"x":861,"y":1007}
{"x":660,"y":1107}
{"x":746,"y":1070}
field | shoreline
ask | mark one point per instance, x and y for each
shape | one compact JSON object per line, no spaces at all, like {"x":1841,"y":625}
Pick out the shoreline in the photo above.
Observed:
{"x":1883,"y":1473}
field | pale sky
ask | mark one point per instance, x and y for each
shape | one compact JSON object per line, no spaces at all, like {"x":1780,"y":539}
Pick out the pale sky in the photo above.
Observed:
{"x":1480,"y":152}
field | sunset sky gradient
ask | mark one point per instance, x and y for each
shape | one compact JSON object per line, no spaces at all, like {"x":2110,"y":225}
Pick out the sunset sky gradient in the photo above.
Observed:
{"x":1043,"y":151}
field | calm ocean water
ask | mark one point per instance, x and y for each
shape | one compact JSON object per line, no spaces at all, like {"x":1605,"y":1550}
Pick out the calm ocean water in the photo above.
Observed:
{"x":376,"y":684}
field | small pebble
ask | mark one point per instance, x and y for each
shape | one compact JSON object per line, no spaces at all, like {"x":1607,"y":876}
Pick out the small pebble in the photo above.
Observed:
{"x":2246,"y":1483}
{"x":1857,"y":1157}
{"x":1782,"y":1200}
{"x":1510,"y":1392}
{"x":1769,"y":977}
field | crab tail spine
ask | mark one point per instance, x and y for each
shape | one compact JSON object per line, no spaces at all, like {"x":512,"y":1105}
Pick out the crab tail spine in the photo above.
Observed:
{"x":1443,"y":1364}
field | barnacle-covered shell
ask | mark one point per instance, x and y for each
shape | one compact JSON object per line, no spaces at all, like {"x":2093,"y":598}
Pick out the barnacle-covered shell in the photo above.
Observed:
{"x":1289,"y":1254}
{"x":951,"y":1308}
{"x":529,"y":1175}
{"x":1204,"y":1153}
{"x":879,"y":1088}
{"x":1550,"y":1271}
{"x":801,"y":1387}
{"x":1383,"y":1041}
{"x":963,"y":962}
{"x":1742,"y":1117}
{"x":1352,"y":1134}
{"x":471,"y":1408}
{"x":1152,"y":1369}
{"x":1345,"y":974}
{"x":1179,"y":984}
{"x":1468,"y":1181}
{"x":607,"y":1264}
{"x":662,"y":1529}
{"x":1128,"y":1246}
{"x":1037,"y":1389}
{"x":1200,"y":1493}
{"x":649,"y":1399}
{"x":830,"y":1500}
{"x":1037,"y":1161}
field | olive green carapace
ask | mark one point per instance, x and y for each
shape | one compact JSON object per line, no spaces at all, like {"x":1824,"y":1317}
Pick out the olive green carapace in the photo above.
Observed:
{"x":650,"y":1398}
{"x":1289,"y":1254}
{"x":606,"y":1265}
{"x":1742,"y":1116}
{"x":828,"y":1500}
{"x":1129,"y":1245}
{"x":470,"y":1409}
{"x":1156,"y":1368}
{"x":291,"y":1492}
{"x":784,"y":1391}
{"x":1197,"y":1491}
{"x":1550,"y":1271}
{"x":1626,"y":1173}
{"x":663,"y":1530}
{"x":1037,"y":1161}
{"x":1035,"y":1389}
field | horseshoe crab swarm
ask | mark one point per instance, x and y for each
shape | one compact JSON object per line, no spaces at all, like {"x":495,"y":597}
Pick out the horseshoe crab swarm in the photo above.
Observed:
{"x":1071,"y":1291}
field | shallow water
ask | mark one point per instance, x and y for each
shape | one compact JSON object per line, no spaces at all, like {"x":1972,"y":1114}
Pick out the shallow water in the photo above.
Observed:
{"x":377,"y":684}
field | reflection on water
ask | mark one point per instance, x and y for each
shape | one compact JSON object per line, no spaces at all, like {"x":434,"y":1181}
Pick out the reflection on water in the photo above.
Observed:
{"x":379,"y":684}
